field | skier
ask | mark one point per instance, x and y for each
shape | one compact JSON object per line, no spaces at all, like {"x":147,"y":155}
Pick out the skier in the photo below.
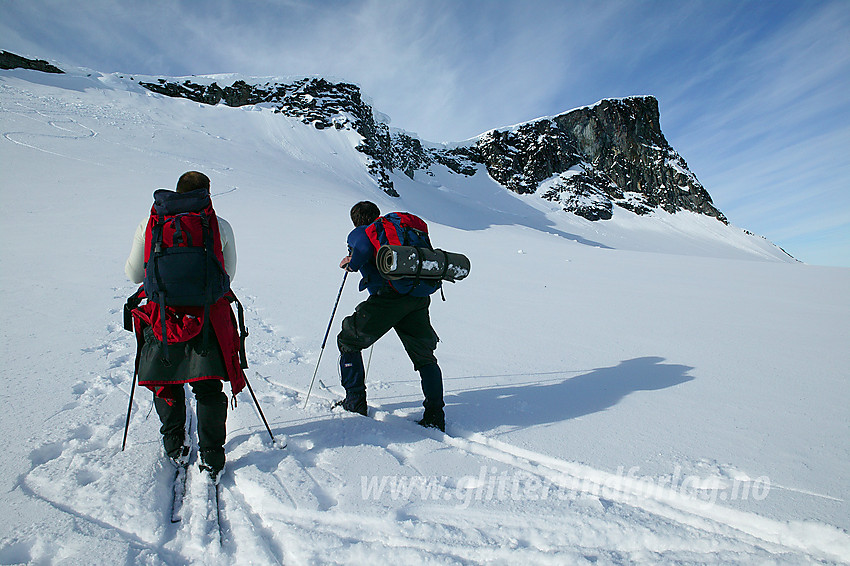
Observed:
{"x":191,"y":353}
{"x":386,"y":309}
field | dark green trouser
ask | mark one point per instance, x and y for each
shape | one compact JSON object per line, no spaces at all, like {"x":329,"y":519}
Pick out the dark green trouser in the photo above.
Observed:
{"x":212,"y":416}
{"x":373,"y":318}
{"x":378,"y":314}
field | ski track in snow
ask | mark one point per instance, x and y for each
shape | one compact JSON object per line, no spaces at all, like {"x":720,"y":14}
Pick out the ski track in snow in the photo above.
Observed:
{"x":61,"y":128}
{"x":304,"y":504}
{"x":57,"y":125}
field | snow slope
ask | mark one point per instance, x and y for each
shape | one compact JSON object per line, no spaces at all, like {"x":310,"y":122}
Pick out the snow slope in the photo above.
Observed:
{"x":658,"y":390}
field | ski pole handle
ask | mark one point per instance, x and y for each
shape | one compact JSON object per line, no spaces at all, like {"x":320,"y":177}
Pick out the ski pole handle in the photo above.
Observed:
{"x":336,"y":304}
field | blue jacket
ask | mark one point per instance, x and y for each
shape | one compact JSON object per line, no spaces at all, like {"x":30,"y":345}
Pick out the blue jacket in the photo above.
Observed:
{"x":363,"y":260}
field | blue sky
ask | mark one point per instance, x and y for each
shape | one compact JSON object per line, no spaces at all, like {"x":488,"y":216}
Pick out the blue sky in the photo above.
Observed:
{"x":755,"y":95}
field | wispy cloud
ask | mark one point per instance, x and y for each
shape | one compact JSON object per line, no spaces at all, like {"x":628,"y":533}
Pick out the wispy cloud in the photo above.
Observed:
{"x":771,"y":128}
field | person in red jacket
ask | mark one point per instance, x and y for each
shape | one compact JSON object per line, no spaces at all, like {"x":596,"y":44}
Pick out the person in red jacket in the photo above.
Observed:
{"x":188,"y":355}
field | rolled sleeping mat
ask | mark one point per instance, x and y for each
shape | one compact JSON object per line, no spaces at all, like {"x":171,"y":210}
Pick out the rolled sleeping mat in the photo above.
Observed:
{"x":395,"y":262}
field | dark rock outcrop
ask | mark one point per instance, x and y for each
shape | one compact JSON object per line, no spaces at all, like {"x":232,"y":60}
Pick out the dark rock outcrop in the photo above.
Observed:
{"x":612,"y":153}
{"x":589,"y":160}
{"x":581,"y":192}
{"x":314,"y":101}
{"x":12,"y":61}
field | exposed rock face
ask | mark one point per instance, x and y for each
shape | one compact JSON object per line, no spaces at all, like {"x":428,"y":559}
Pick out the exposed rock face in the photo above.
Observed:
{"x":12,"y":61}
{"x":612,"y":153}
{"x":581,"y":192}
{"x":589,"y":160}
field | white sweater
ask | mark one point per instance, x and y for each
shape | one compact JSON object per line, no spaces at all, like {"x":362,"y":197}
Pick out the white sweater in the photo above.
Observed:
{"x":135,"y":266}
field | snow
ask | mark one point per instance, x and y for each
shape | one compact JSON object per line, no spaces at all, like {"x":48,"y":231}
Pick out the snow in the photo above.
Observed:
{"x":662,"y":389}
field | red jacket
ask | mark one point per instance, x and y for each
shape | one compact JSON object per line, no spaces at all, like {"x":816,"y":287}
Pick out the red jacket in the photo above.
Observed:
{"x":183,"y":324}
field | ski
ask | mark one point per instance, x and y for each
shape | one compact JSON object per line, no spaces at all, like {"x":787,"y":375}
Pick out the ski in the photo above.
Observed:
{"x":178,"y":490}
{"x":214,"y":504}
{"x":181,"y":465}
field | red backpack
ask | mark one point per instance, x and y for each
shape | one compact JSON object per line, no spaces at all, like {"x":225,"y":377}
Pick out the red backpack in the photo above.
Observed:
{"x":403,"y":229}
{"x":184,"y":262}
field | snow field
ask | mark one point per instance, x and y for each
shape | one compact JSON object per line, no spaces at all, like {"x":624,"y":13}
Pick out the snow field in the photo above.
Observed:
{"x":590,"y":368}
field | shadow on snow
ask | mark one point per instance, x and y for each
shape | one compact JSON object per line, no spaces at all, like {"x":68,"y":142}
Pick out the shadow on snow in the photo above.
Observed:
{"x":591,"y":392}
{"x":486,"y":408}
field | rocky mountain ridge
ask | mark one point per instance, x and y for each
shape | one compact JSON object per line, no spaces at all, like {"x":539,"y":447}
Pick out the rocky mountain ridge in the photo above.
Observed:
{"x":594,"y":158}
{"x":314,"y":101}
{"x":589,"y":161}
{"x":11,"y":61}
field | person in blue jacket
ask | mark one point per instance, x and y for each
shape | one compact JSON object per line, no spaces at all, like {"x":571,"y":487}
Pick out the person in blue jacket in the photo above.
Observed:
{"x":386,"y":309}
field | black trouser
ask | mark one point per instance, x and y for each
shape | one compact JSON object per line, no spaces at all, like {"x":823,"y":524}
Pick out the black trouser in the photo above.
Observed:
{"x":373,"y":318}
{"x":378,"y":314}
{"x":211,"y":410}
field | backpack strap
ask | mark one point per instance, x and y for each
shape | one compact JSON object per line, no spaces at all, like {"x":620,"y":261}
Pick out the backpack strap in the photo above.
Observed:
{"x":418,"y":267}
{"x":208,"y":249}
{"x":156,"y":244}
{"x":391,"y":233}
{"x":133,"y":302}
{"x":377,"y":232}
{"x":177,"y":238}
{"x":156,"y":235}
{"x":163,"y":314}
{"x":243,"y":332}
{"x":443,"y":274}
{"x":445,"y":264}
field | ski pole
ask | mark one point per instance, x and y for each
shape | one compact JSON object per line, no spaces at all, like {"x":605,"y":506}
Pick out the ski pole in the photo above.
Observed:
{"x":129,"y":409}
{"x":369,"y":363}
{"x":257,"y":404}
{"x":325,"y":340}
